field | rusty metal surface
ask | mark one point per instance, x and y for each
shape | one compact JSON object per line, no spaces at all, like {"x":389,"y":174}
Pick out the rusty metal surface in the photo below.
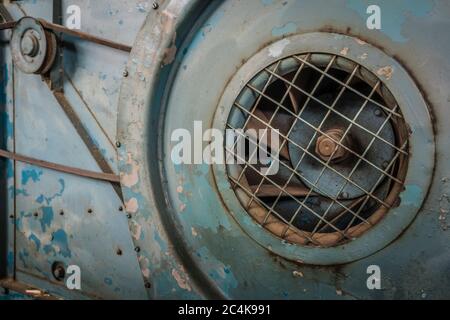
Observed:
{"x":53,"y":213}
{"x":175,"y":205}
{"x":179,"y":240}
{"x":85,"y":36}
{"x":61,"y":168}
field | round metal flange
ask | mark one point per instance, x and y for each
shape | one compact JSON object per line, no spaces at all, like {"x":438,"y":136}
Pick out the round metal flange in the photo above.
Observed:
{"x":33,"y":48}
{"x":384,"y":225}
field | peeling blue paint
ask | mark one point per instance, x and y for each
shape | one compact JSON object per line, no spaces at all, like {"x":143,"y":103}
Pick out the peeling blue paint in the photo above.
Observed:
{"x":3,"y":83}
{"x":60,"y":239}
{"x":288,"y":28}
{"x":393,"y":14}
{"x":108,"y":281}
{"x":411,"y":194}
{"x":36,"y":241}
{"x":47,"y":218}
{"x":6,"y":124}
{"x":48,"y":200}
{"x":32,"y":173}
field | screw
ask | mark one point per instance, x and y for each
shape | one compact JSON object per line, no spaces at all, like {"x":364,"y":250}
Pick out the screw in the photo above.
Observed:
{"x":155,"y":5}
{"x":344,"y":195}
{"x":120,"y":208}
{"x":59,"y":271}
{"x":118,"y":144}
{"x":129,"y":216}
{"x":137,"y":249}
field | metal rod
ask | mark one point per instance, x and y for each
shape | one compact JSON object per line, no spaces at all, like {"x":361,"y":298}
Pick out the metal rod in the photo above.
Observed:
{"x":61,"y":168}
{"x":7,"y":25}
{"x":85,"y":36}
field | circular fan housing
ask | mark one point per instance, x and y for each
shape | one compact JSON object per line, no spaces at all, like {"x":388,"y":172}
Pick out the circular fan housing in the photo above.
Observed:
{"x":342,"y":180}
{"x":342,"y":154}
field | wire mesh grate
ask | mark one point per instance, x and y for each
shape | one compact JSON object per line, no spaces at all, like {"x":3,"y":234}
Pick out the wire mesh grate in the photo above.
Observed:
{"x":342,"y":154}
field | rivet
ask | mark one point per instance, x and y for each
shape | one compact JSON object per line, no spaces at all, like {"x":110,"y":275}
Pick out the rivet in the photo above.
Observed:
{"x":155,"y":5}
{"x":129,"y":216}
{"x":137,"y":249}
{"x":125,"y":73}
{"x":344,"y":195}
{"x":120,"y":208}
{"x":118,"y":144}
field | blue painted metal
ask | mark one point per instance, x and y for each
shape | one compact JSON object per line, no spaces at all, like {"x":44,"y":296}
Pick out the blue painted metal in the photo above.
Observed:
{"x":43,"y":235}
{"x":190,"y":245}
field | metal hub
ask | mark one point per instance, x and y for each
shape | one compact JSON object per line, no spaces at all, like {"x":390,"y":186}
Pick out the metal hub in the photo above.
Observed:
{"x":344,"y":152}
{"x":329,"y":147}
{"x":33,"y":47}
{"x":30,"y":43}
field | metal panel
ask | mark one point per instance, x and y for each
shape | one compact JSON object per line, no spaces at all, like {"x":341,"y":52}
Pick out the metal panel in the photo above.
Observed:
{"x":61,"y":217}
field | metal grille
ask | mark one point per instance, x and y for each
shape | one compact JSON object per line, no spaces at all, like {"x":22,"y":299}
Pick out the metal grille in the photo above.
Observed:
{"x":342,"y":156}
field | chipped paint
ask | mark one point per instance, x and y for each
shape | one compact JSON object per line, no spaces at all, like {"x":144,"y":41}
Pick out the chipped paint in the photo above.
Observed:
{"x":386,"y":72}
{"x":131,"y":178}
{"x":276,"y":49}
{"x":132,"y":205}
{"x":183,"y":281}
{"x":288,"y":28}
{"x":344,"y":51}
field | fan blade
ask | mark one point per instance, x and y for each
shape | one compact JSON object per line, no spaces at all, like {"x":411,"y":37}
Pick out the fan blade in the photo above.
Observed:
{"x":294,"y":99}
{"x":257,"y":125}
{"x":273,"y":191}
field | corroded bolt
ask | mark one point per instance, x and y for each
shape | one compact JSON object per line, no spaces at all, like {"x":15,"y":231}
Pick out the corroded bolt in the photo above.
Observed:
{"x":378,"y":112}
{"x":59,"y":272}
{"x":29,"y":44}
{"x":328,"y":146}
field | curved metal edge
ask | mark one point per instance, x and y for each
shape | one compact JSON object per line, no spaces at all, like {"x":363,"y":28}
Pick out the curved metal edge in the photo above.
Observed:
{"x":162,"y":253}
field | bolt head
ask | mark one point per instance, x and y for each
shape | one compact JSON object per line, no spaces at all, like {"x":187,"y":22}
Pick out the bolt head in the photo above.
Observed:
{"x":29,"y":45}
{"x":327,"y":146}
